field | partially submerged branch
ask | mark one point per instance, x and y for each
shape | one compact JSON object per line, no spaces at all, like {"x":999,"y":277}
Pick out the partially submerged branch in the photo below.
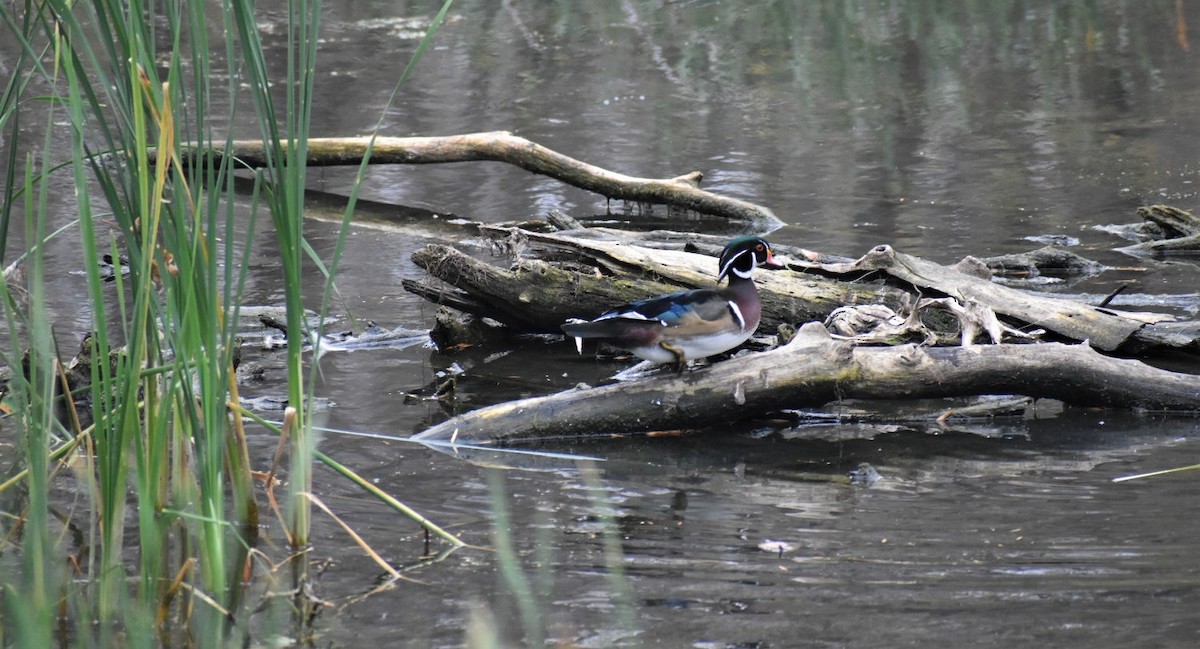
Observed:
{"x":502,"y":146}
{"x":1174,"y":229}
{"x":814,"y":369}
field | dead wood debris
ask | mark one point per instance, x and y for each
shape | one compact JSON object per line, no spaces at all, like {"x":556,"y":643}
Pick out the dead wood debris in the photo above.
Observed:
{"x":1048,"y":261}
{"x":556,"y":276}
{"x":877,"y":306}
{"x":1170,"y":229}
{"x":926,"y":323}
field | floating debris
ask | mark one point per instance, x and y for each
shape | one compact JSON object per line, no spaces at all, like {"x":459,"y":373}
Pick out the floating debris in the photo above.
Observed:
{"x":865,"y":475}
{"x":776,"y":547}
{"x":1053,"y":239}
{"x":1046,"y":261}
{"x":276,"y":403}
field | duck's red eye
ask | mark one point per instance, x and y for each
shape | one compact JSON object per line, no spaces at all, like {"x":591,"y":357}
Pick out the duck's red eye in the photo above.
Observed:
{"x":759,"y":247}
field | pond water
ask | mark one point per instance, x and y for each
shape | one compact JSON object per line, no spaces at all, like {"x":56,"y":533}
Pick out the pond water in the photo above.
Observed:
{"x":944,"y":129}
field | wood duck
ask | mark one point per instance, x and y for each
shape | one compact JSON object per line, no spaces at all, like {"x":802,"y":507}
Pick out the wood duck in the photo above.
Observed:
{"x":688,"y":325}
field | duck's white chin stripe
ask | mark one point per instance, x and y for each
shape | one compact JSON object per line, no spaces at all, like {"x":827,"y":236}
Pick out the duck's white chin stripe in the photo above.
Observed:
{"x":727,"y":268}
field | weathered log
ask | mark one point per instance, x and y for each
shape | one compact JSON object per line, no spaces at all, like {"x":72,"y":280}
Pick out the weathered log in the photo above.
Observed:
{"x":1170,"y":229}
{"x":502,"y":146}
{"x":1047,"y":260}
{"x":814,"y":369}
{"x":1105,"y":329}
{"x":706,"y":244}
{"x":1178,"y":244}
{"x":533,"y":296}
{"x":1174,"y":222}
{"x":537,"y":296}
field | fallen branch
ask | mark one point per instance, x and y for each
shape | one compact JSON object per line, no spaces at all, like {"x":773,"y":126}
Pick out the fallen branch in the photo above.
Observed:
{"x":814,"y":369}
{"x":502,"y":146}
{"x":537,"y":296}
{"x":1189,"y":243}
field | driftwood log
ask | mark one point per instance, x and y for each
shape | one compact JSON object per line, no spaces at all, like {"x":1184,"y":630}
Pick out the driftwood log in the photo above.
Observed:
{"x":814,"y":369}
{"x":1173,"y":221}
{"x":1174,"y":229}
{"x":501,"y":146}
{"x":538,"y":296}
{"x":578,"y":275}
{"x":590,"y":276}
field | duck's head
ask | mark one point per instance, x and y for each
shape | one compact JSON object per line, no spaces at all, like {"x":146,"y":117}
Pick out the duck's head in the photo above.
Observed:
{"x":743,"y":254}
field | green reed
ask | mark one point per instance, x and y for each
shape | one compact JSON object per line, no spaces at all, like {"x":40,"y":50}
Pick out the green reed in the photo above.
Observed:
{"x":160,"y":402}
{"x":284,"y":176}
{"x":147,"y":153}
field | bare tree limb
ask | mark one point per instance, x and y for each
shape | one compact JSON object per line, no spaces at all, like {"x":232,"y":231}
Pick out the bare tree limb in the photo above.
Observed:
{"x":502,"y":146}
{"x":814,"y":369}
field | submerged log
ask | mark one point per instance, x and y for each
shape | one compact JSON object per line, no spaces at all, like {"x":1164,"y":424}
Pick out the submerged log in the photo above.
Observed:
{"x":814,"y":369}
{"x":1180,"y":230}
{"x":1045,"y":261}
{"x":501,"y":146}
{"x":1178,"y":244}
{"x":1174,"y":222}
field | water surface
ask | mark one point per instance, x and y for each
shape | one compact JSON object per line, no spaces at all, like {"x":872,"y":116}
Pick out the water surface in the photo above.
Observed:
{"x":944,"y":129}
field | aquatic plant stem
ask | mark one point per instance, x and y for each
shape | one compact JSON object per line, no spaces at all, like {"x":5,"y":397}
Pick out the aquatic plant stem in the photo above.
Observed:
{"x":356,"y":479}
{"x":510,"y":565}
{"x":1153,"y":474}
{"x":389,"y":500}
{"x":285,"y":177}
